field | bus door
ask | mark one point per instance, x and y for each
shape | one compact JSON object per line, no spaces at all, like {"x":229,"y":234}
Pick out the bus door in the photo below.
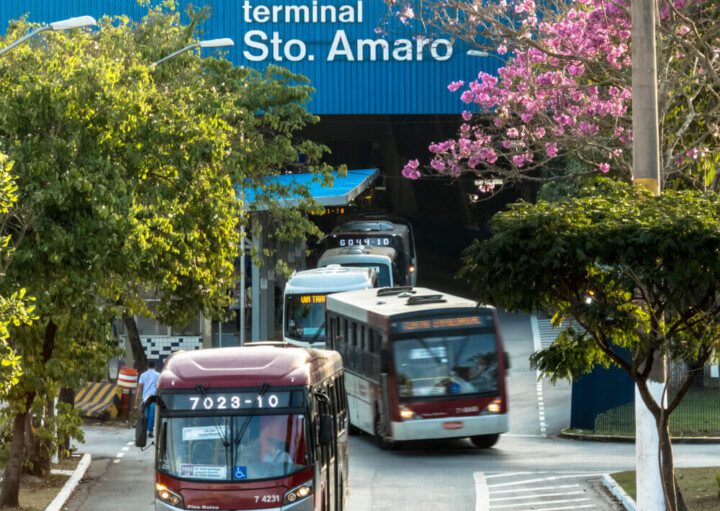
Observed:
{"x":327,"y":457}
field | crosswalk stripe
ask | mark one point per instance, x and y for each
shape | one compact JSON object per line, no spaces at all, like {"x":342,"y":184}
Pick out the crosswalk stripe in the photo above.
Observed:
{"x":508,"y":474}
{"x":525,"y":504}
{"x":537,"y":488}
{"x":541,"y":479}
{"x":482,"y":497}
{"x":564,"y":508}
{"x":537,"y":495}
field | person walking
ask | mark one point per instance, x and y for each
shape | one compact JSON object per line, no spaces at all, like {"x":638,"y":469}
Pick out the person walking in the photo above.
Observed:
{"x":149,"y":380}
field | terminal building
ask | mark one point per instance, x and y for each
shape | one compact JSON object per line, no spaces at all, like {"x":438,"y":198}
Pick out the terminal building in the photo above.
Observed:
{"x":382,"y":96}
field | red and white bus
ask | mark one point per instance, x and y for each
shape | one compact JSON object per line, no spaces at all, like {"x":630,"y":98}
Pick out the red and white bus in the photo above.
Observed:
{"x":253,"y":427}
{"x":420,"y":364}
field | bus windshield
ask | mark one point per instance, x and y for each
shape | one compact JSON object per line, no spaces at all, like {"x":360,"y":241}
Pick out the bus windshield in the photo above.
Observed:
{"x":442,"y":365}
{"x":382,"y":270}
{"x":305,"y":317}
{"x":239,"y":448}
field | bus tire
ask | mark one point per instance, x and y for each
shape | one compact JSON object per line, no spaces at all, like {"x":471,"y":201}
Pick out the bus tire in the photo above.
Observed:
{"x":354,"y":430}
{"x":484,"y":441}
{"x":383,"y":442}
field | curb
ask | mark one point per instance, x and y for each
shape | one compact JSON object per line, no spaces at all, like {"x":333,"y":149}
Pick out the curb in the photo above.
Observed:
{"x":62,"y":497}
{"x":617,"y":490}
{"x":631,"y":439}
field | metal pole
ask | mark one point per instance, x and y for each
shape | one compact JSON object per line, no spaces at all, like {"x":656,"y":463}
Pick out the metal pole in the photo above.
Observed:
{"x":189,"y":47}
{"x":646,"y":173}
{"x":25,"y":38}
{"x":242,"y":284}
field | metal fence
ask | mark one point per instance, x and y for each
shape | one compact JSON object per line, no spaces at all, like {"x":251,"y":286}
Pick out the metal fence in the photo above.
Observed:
{"x":697,"y":415}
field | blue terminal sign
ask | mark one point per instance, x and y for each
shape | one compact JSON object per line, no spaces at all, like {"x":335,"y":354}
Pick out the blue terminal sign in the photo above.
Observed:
{"x":335,"y":43}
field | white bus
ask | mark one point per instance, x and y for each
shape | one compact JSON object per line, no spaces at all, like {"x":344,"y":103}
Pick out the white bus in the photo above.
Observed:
{"x":304,"y":300}
{"x":381,"y":259}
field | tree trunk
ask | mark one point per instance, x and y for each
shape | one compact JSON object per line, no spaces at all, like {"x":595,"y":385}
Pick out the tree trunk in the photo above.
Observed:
{"x":673,"y":495}
{"x":42,"y":450}
{"x":135,"y":344}
{"x":13,"y":467}
{"x":67,"y":395}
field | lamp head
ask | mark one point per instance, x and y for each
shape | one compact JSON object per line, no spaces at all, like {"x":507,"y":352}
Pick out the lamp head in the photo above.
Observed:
{"x":217,"y":43}
{"x":79,"y":22}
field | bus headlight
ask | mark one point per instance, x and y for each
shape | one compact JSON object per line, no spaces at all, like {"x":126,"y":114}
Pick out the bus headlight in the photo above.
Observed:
{"x":298,"y":493}
{"x":406,"y":413}
{"x":169,"y":497}
{"x":494,"y":407}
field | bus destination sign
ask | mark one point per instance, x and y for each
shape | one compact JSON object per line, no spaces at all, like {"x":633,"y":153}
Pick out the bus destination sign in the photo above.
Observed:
{"x":445,"y":323}
{"x":232,"y":401}
{"x":383,"y":241}
{"x":308,"y":299}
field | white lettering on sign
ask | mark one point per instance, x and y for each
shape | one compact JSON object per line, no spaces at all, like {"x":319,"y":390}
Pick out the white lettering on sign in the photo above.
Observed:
{"x":262,"y":45}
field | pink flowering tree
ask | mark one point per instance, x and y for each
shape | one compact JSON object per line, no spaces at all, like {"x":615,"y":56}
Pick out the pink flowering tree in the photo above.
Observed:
{"x":563,"y":89}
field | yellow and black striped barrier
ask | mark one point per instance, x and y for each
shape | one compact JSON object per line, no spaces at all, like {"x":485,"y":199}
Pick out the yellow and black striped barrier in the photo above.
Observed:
{"x":98,"y":400}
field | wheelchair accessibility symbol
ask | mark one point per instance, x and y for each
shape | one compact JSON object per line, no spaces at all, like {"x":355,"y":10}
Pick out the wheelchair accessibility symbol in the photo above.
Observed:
{"x":239,"y":472}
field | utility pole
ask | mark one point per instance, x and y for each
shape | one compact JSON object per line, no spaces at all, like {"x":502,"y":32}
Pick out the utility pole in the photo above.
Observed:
{"x":646,"y":173}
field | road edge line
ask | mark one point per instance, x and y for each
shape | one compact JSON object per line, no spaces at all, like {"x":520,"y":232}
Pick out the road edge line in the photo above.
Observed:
{"x":537,"y":346}
{"x":619,"y":493}
{"x":61,"y":498}
{"x":482,"y":492}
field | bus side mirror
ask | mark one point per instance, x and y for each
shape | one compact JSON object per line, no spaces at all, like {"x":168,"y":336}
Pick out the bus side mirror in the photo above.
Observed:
{"x":141,"y":426}
{"x":507,"y":360}
{"x":325,"y":434}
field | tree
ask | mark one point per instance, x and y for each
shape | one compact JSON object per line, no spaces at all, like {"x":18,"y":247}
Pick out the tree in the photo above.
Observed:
{"x":15,"y":309}
{"x":127,"y":190}
{"x":634,"y":271}
{"x":563,"y":89}
{"x":251,"y":120}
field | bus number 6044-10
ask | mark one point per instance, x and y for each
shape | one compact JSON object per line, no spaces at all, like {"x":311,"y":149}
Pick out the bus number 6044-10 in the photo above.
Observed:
{"x":267,"y":498}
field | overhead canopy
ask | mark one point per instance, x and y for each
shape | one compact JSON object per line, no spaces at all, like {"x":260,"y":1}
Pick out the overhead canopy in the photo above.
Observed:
{"x":343,"y":190}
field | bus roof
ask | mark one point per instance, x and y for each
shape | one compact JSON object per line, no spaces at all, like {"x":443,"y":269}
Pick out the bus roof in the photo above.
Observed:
{"x":346,"y":254}
{"x":248,"y":366}
{"x":371,"y":227}
{"x":330,"y":279}
{"x":360,"y":305}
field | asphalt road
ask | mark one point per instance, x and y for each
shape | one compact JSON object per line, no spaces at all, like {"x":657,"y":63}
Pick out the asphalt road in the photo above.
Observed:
{"x":529,"y":468}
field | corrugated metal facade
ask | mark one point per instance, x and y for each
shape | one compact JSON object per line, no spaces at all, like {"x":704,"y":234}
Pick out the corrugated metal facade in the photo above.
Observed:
{"x":343,"y":87}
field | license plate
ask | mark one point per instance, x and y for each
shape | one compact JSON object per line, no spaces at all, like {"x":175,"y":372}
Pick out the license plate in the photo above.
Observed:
{"x":453,"y":425}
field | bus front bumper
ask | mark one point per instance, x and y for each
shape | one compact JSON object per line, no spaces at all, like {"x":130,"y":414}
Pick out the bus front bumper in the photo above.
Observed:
{"x":301,"y":505}
{"x":449,"y":427}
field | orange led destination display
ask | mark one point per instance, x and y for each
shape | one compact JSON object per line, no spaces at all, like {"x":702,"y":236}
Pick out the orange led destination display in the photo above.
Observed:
{"x":305,"y":299}
{"x":429,"y":324}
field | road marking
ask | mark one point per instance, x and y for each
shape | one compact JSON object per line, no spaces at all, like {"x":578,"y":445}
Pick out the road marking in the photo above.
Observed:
{"x":120,"y":455}
{"x":508,"y":474}
{"x":564,"y":508}
{"x":130,"y":443}
{"x":538,"y":495}
{"x":549,"y":502}
{"x":516,"y":490}
{"x":482,"y":495}
{"x":126,"y":448}
{"x":116,"y":460}
{"x":537,"y":346}
{"x":521,"y":435}
{"x":541,"y":479}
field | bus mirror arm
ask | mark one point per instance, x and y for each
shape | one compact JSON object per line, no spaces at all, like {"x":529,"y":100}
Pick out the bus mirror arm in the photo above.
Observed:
{"x":507,"y":360}
{"x":325,"y":433}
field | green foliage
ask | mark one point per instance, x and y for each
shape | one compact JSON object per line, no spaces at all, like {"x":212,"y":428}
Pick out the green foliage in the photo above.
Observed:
{"x":635,"y":271}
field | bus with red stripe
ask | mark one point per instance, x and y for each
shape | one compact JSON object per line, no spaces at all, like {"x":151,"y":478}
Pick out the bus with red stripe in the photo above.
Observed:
{"x":259,"y":427}
{"x":420,"y":365}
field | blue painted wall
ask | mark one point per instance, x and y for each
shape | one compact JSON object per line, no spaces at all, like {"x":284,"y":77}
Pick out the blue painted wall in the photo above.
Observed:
{"x":343,"y":86}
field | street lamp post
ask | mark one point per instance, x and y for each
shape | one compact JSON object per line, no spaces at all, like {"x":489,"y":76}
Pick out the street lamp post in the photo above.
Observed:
{"x":79,"y":22}
{"x":210,"y":43}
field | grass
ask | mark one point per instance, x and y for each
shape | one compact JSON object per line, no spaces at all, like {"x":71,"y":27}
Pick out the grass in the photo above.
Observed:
{"x":37,"y":493}
{"x":699,"y":487}
{"x":697,"y":415}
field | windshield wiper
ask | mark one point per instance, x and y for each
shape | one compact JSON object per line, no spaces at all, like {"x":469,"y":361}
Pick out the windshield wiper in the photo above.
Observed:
{"x":317,"y":334}
{"x":261,"y":392}
{"x":220,"y":433}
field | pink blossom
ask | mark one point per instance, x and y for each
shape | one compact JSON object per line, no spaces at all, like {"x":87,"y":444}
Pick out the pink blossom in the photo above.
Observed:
{"x":438,"y":165}
{"x":455,"y":85}
{"x":604,"y":167}
{"x":551,"y":149}
{"x":502,"y":49}
{"x":467,"y":115}
{"x":410,"y":170}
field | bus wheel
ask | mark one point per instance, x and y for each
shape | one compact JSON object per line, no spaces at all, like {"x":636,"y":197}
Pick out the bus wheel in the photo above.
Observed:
{"x":484,"y":441}
{"x":385,"y":444}
{"x":354,"y":430}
